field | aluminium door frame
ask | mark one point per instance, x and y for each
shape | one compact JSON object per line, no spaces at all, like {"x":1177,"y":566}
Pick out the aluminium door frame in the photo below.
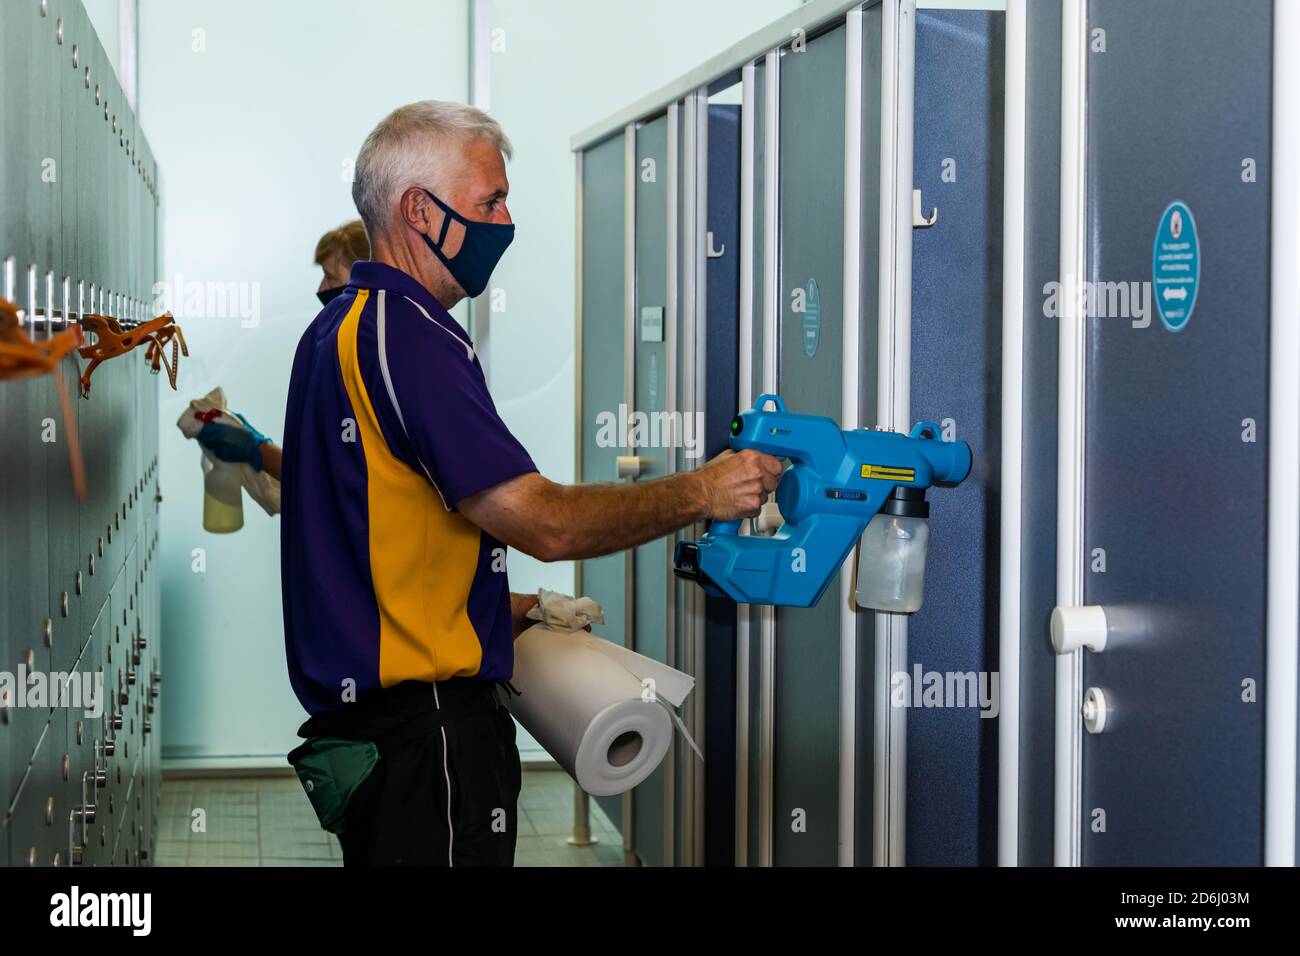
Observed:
{"x":1283,"y":450}
{"x":898,"y":75}
{"x":1071,"y":450}
{"x":850,"y":402}
{"x":1012,"y":498}
{"x":629,"y":399}
{"x":744,"y":399}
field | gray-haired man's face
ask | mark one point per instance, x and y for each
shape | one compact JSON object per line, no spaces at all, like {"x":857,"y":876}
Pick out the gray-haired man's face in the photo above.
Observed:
{"x":478,"y":192}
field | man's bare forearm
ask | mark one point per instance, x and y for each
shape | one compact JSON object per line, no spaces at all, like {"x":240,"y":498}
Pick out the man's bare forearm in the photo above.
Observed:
{"x":597,"y":519}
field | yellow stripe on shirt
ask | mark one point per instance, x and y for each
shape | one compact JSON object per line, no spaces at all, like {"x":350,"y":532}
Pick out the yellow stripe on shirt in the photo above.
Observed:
{"x":418,"y":549}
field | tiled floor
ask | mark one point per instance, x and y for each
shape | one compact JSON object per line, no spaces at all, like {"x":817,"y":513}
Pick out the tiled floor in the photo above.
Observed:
{"x":267,"y":821}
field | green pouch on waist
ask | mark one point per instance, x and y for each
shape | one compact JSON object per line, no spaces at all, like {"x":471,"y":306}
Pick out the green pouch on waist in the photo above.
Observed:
{"x":331,"y":769}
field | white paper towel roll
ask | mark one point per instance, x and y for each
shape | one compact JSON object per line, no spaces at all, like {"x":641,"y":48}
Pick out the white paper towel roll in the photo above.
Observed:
{"x":592,"y":705}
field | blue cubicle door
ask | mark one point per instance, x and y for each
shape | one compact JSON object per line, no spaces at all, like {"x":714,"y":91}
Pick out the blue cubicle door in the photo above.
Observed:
{"x":1042,"y":229}
{"x":1176,"y":430}
{"x":956,"y":368}
{"x":811,"y":221}
{"x":722,"y":311}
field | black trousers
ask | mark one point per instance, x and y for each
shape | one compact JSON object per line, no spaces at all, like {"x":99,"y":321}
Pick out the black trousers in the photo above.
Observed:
{"x":445,"y":791}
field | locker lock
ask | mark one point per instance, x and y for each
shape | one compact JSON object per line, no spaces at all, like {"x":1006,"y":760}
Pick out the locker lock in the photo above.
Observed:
{"x":1075,"y":627}
{"x":1094,"y":710}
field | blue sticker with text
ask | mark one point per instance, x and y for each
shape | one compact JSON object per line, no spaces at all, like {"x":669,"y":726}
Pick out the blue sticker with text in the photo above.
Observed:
{"x":1176,"y":266}
{"x":812,"y":318}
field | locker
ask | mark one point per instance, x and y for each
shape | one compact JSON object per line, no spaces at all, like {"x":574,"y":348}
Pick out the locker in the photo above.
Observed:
{"x":37,"y":832}
{"x":86,"y":735}
{"x":82,"y":213}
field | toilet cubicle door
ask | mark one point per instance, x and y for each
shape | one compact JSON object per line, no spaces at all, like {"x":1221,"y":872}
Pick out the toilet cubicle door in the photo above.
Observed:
{"x":1175,"y":453}
{"x":807,"y":658}
{"x":601,"y":373}
{"x":650,"y":562}
{"x":722,"y":302}
{"x":956,"y":365}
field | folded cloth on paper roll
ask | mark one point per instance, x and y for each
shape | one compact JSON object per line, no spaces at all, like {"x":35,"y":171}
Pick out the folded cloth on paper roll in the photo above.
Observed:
{"x":602,"y":711}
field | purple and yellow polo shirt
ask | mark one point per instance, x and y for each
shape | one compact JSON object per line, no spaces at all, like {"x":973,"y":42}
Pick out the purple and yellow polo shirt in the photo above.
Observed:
{"x":389,"y":425}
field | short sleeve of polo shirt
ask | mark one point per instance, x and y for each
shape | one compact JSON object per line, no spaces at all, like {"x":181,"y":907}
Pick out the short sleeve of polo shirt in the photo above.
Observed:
{"x":442,"y":401}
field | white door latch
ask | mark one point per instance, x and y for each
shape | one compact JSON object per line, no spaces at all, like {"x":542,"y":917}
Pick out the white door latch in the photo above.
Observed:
{"x":629,"y":466}
{"x":1076,"y":627}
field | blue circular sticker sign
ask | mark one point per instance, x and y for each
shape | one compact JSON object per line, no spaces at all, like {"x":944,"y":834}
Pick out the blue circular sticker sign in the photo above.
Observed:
{"x":1176,"y":266}
{"x":812,"y":318}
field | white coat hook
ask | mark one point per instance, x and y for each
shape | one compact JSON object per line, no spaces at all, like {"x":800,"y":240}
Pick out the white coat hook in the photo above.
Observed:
{"x":710,"y":251}
{"x":919,"y":219}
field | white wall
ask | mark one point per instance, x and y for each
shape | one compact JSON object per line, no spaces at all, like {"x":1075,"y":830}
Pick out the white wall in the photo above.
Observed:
{"x":566,"y":65}
{"x":253,"y":109}
{"x":105,"y":17}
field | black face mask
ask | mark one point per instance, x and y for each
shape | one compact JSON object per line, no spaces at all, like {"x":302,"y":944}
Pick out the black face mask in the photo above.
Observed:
{"x":327,"y":296}
{"x":480,"y":250}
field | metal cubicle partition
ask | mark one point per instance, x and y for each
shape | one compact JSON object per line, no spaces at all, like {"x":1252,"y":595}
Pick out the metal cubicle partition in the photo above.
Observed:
{"x":804,"y":780}
{"x":78,"y":233}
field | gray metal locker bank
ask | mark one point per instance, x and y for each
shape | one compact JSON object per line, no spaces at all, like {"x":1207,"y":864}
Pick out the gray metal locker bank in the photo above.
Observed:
{"x":80,"y":673}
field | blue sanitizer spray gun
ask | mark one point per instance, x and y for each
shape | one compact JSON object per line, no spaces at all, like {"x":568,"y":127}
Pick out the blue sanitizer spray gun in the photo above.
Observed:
{"x":842,"y":486}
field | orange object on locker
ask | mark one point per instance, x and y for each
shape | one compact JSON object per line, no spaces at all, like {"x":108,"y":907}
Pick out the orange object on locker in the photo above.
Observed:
{"x":21,"y":356}
{"x":111,"y":340}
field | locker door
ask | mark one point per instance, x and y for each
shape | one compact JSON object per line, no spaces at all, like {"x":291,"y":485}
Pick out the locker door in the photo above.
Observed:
{"x":1176,"y":433}
{"x":650,"y":562}
{"x":601,"y":372}
{"x":811,"y":215}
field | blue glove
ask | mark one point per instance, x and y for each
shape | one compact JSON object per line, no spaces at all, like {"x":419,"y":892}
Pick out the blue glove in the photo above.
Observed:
{"x":256,"y":434}
{"x":236,"y":445}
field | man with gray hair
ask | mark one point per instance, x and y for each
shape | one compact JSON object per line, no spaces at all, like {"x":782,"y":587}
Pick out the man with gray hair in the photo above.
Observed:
{"x":401,"y":491}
